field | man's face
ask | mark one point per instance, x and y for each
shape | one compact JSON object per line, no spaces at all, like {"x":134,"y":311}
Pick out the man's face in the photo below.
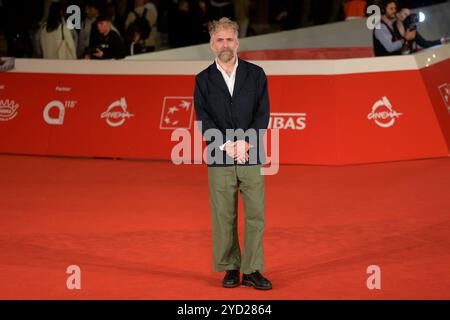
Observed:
{"x":391,"y":10}
{"x":104,"y":26}
{"x":224,"y":43}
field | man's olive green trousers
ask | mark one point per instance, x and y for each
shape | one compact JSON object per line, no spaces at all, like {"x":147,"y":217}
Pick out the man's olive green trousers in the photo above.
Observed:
{"x":224,"y":185}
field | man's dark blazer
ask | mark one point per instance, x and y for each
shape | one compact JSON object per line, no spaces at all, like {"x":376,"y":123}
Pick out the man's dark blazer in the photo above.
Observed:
{"x":248,"y":108}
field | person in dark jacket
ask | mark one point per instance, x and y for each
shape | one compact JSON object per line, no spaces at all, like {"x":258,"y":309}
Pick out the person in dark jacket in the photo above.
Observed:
{"x":108,"y":44}
{"x":232,"y":106}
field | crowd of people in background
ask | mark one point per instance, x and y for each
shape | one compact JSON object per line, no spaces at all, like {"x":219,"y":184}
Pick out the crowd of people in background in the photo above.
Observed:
{"x":113,"y":29}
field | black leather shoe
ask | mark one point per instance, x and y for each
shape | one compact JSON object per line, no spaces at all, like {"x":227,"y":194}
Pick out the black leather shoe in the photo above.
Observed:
{"x":256,"y":280}
{"x":232,"y":279}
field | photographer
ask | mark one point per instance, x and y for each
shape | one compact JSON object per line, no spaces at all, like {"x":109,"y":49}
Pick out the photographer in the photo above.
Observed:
{"x":386,"y":41}
{"x":407,"y":21}
{"x":109,"y":44}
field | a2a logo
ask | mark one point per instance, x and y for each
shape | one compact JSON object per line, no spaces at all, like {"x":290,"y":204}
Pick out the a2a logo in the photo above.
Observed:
{"x":55,"y":111}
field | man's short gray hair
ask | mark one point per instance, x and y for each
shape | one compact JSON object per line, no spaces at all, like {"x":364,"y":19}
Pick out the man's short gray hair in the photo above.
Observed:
{"x":223,"y":23}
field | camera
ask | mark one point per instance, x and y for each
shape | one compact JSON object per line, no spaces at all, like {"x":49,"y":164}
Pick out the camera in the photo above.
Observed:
{"x":412,"y":21}
{"x":100,"y":47}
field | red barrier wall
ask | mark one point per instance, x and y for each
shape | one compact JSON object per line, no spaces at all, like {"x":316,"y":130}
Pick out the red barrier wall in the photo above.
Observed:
{"x":323,"y":119}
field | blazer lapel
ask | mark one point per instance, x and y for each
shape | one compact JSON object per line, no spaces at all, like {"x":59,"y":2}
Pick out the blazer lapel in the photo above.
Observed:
{"x":218,"y":80}
{"x":241,"y":76}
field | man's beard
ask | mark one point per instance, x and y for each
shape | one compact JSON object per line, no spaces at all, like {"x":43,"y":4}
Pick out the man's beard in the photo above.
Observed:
{"x":392,"y":17}
{"x":226,"y":56}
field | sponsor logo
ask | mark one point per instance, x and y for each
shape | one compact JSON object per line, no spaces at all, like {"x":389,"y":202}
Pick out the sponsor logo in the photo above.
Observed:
{"x":383,"y":113}
{"x":56,"y":118}
{"x":177,"y":113}
{"x":445,"y":94}
{"x":287,"y":121}
{"x":8,"y":110}
{"x":116,"y":114}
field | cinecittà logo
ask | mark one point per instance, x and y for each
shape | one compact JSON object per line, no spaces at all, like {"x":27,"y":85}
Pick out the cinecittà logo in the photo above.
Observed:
{"x":8,"y":109}
{"x":383,"y":114}
{"x":117,"y":113}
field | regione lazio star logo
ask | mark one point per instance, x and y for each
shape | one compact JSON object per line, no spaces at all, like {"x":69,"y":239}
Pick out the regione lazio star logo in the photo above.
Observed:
{"x":445,"y":94}
{"x":177,"y":112}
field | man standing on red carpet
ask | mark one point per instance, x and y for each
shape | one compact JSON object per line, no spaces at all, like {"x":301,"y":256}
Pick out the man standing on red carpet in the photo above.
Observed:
{"x":232,"y":106}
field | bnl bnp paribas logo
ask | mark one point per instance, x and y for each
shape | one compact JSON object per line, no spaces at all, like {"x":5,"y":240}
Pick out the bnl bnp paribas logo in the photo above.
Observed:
{"x":383,"y":114}
{"x":287,"y":121}
{"x":177,"y":113}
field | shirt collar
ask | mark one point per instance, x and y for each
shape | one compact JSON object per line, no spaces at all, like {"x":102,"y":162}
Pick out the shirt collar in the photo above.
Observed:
{"x":223,"y":71}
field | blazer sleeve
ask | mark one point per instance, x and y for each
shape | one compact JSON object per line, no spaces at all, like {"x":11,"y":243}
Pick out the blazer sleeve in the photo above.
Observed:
{"x":262,"y":114}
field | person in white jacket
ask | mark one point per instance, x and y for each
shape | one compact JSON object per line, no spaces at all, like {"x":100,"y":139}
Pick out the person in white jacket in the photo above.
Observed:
{"x":56,"y":39}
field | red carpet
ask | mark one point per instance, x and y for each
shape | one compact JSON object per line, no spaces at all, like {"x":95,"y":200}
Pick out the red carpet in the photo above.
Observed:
{"x":141,"y":230}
